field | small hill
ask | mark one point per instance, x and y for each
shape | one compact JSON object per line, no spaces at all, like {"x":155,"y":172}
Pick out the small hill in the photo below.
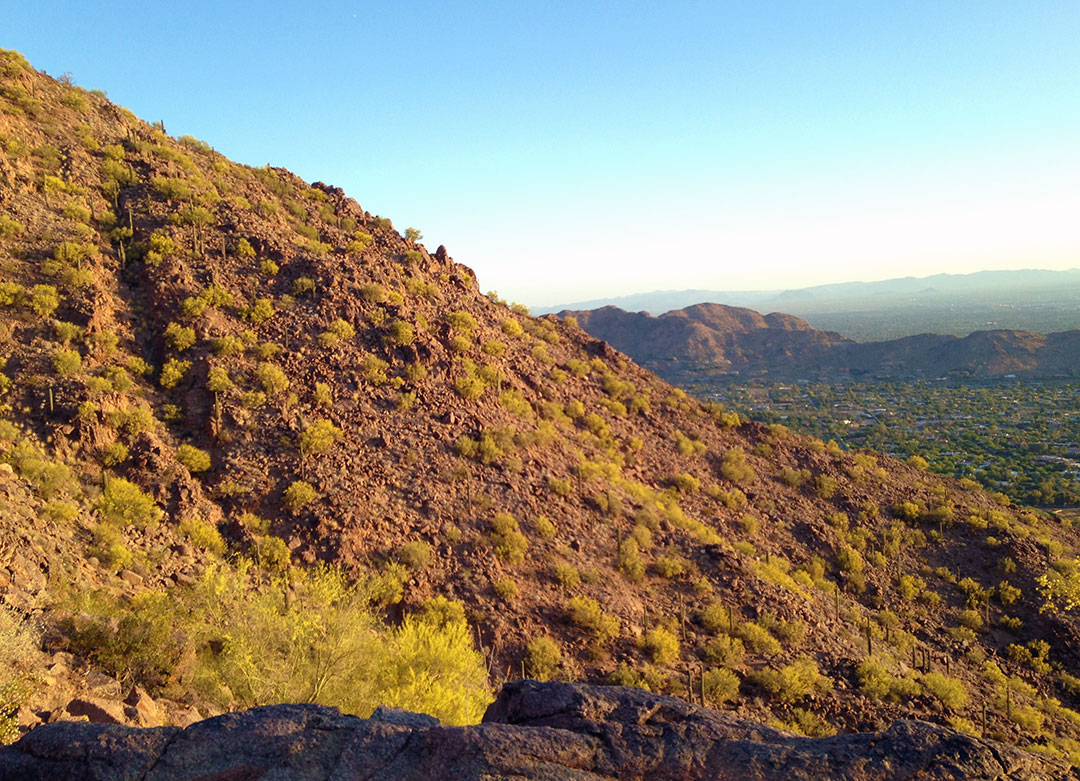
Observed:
{"x":260,"y":445}
{"x":741,"y":341}
{"x":957,"y":304}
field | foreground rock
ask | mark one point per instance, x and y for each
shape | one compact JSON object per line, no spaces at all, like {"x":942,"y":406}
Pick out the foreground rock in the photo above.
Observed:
{"x":532,"y":731}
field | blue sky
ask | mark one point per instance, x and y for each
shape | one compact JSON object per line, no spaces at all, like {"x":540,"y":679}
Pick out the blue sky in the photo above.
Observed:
{"x":576,"y":150}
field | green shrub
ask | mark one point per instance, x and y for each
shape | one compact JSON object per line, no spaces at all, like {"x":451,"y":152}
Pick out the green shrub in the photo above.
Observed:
{"x":18,"y":650}
{"x":725,"y":650}
{"x":399,"y":333}
{"x":179,"y":337}
{"x":319,"y":437}
{"x":734,"y":467}
{"x":374,"y":370}
{"x":505,"y":589}
{"x":217,"y":380}
{"x":567,"y":575}
{"x":273,"y":554}
{"x":850,"y":564}
{"x":686,"y":483}
{"x":272,"y":379}
{"x":825,"y":486}
{"x":543,"y":657}
{"x":721,"y":685}
{"x":918,"y":462}
{"x":908,"y":511}
{"x":794,"y":681}
{"x":108,"y":548}
{"x":661,"y":646}
{"x":758,"y":639}
{"x":193,"y":458}
{"x":462,"y":322}
{"x":878,"y":683}
{"x":587,"y":614}
{"x":260,"y":311}
{"x":357,"y":245}
{"x":670,"y":566}
{"x":299,"y":495}
{"x":202,"y":534}
{"x":559,"y":486}
{"x":415,"y":554}
{"x":469,"y":387}
{"x":44,"y":300}
{"x":11,"y":293}
{"x":67,"y":362}
{"x":123,"y":503}
{"x":510,"y":544}
{"x":544,"y":527}
{"x":950,"y":692}
{"x":910,"y":587}
{"x":629,"y":561}
{"x":173,"y":372}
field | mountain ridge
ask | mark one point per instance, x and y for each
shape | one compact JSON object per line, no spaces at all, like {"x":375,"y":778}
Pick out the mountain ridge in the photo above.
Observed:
{"x":740,"y":341}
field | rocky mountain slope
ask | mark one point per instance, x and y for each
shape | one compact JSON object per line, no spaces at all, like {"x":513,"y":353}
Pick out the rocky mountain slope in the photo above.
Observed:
{"x":741,"y":341}
{"x":254,"y":429}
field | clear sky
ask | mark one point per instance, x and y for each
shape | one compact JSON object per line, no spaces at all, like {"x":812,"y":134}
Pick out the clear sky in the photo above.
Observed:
{"x":588,"y":148}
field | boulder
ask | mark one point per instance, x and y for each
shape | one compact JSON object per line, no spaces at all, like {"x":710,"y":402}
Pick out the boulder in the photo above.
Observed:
{"x":95,"y":710}
{"x":532,"y":731}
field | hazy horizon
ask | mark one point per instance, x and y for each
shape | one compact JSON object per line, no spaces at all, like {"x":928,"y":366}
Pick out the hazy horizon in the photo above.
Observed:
{"x":576,"y":153}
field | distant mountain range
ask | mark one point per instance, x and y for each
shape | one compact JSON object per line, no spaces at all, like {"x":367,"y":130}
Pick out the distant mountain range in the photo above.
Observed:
{"x":958,"y":304}
{"x":739,"y":341}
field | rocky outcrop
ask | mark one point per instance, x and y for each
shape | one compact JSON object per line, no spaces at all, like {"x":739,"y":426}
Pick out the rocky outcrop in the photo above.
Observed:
{"x":532,"y":731}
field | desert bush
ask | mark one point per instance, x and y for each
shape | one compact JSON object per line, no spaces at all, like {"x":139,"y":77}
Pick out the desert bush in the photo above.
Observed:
{"x":272,"y":379}
{"x":670,"y":566}
{"x":629,"y":561}
{"x":299,"y":495}
{"x":173,"y":372}
{"x":202,"y":534}
{"x":794,"y":681}
{"x":319,"y":437}
{"x":193,"y":458}
{"x":793,"y":478}
{"x":918,"y":462}
{"x":758,"y":639}
{"x":567,"y":575}
{"x":878,"y":683}
{"x":415,"y":554}
{"x":44,"y":300}
{"x":505,"y":589}
{"x":67,"y":363}
{"x":950,"y":692}
{"x":543,"y":657}
{"x":721,"y":685}
{"x":179,"y":337}
{"x":660,"y":646}
{"x":544,"y":527}
{"x":510,"y":544}
{"x":587,"y":614}
{"x":734,"y":467}
{"x":850,"y":563}
{"x":123,"y":503}
{"x":19,"y":646}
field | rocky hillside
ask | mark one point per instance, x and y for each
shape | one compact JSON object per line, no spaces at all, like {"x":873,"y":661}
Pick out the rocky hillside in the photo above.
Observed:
{"x":218,"y":380}
{"x":742,"y":342}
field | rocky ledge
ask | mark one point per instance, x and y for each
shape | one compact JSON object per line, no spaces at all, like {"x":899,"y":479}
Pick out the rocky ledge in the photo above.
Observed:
{"x":532,"y":731}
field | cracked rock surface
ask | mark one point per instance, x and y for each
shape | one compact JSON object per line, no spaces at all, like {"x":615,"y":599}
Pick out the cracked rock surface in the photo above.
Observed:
{"x":532,"y":731}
